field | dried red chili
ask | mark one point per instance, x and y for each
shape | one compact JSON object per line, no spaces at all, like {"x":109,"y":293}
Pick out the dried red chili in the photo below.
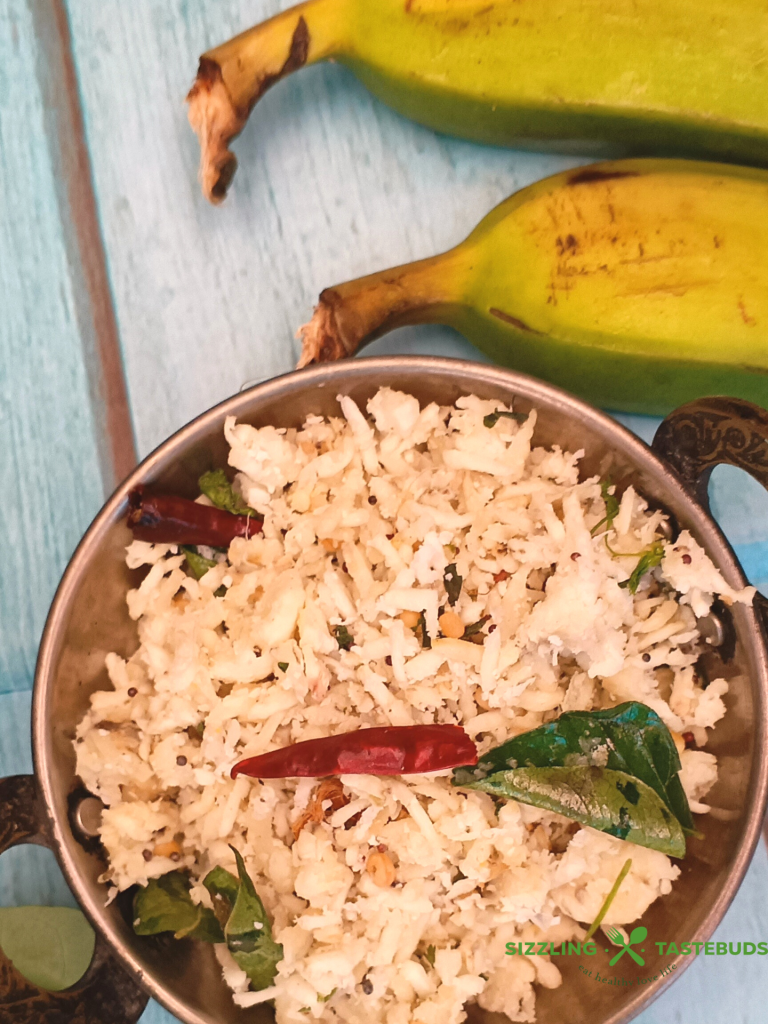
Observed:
{"x":392,"y":750}
{"x":167,"y":519}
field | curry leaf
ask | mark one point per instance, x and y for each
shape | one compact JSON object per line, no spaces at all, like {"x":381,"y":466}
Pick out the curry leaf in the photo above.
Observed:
{"x":165,"y":905}
{"x":611,"y":507}
{"x":452,"y":582}
{"x":52,"y":947}
{"x":607,"y":800}
{"x":198,"y":565}
{"x":493,"y":417}
{"x":649,"y":560}
{"x":249,"y":933}
{"x":223,"y":887}
{"x":630,"y":738}
{"x":215,"y":486}
{"x":426,"y":639}
{"x":343,"y":637}
{"x":474,"y":627}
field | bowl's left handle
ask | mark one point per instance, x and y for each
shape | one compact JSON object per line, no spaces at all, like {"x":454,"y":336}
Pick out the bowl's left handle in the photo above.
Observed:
{"x":105,"y":994}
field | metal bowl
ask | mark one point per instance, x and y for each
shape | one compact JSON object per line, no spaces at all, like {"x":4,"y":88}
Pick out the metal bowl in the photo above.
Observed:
{"x":89,"y":618}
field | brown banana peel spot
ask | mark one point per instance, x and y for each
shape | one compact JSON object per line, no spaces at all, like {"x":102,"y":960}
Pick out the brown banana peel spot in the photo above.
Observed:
{"x":227,"y":88}
{"x":321,"y":340}
{"x":216,"y":122}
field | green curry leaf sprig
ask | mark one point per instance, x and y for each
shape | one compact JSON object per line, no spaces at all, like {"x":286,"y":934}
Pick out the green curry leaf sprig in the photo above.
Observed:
{"x":238,"y":918}
{"x":615,"y":770}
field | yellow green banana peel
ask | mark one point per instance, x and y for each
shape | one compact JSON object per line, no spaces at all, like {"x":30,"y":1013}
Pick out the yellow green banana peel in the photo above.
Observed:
{"x":688,"y":77}
{"x":637,"y":284}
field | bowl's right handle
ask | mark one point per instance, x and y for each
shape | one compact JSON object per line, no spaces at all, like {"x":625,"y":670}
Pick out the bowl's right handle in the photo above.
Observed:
{"x":105,"y":994}
{"x":711,"y":432}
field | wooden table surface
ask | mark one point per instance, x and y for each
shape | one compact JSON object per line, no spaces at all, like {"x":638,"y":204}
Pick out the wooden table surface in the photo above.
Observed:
{"x":128,"y":305}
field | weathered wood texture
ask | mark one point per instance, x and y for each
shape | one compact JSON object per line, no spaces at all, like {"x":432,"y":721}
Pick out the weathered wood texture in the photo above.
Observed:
{"x":203,"y":300}
{"x":50,"y":477}
{"x":331,"y":185}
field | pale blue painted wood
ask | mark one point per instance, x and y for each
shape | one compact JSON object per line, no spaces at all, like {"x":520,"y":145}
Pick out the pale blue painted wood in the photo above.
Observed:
{"x":49,"y":477}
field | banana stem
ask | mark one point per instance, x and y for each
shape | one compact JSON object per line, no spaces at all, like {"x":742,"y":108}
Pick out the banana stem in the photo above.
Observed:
{"x":234,"y":76}
{"x":351,"y":314}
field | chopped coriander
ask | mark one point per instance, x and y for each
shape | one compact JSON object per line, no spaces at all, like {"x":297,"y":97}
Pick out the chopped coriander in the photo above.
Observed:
{"x":283,"y":666}
{"x":215,"y":486}
{"x":343,"y":637}
{"x":649,"y":560}
{"x":430,"y":955}
{"x":452,"y":582}
{"x":198,"y":565}
{"x":475,"y":627}
{"x":611,"y":507}
{"x":324,"y":999}
{"x":493,"y":418}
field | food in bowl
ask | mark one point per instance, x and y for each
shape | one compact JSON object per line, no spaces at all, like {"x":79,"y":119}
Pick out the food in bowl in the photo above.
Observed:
{"x":413,"y":567}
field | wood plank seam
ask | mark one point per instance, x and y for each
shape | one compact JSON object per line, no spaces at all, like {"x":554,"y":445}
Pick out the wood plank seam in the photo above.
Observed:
{"x":86,"y":255}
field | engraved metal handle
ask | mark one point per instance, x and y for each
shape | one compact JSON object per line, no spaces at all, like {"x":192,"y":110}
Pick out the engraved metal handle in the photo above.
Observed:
{"x":712,"y":432}
{"x":105,"y":994}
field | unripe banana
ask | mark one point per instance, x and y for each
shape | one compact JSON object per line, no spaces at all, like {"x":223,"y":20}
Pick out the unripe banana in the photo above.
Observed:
{"x":637,"y":284}
{"x":682,"y":76}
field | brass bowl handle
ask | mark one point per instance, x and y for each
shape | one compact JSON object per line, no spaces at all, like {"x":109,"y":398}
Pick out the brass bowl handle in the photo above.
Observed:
{"x":712,"y":432}
{"x":105,"y":994}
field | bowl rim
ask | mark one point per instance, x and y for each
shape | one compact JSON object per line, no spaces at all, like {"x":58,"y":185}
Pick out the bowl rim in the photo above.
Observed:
{"x":340,"y":374}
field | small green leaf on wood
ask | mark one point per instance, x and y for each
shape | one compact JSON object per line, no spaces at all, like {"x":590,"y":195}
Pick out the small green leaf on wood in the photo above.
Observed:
{"x":52,"y":947}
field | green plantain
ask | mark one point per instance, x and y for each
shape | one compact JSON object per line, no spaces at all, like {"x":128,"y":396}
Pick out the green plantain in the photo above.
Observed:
{"x":686,"y":76}
{"x":637,"y":284}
